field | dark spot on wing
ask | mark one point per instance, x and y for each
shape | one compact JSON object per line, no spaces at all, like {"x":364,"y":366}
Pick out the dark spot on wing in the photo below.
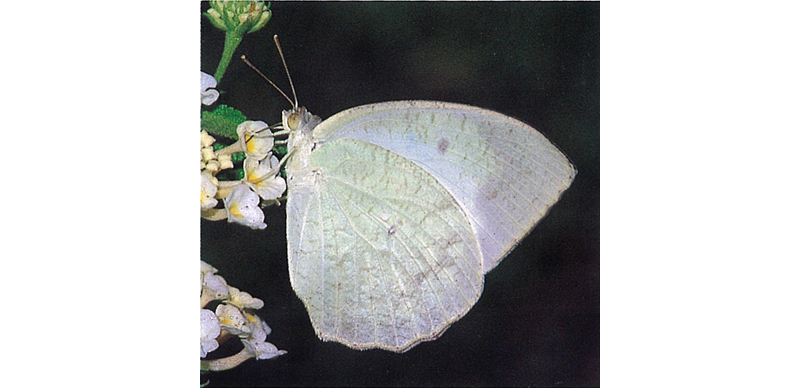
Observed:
{"x":443,"y":146}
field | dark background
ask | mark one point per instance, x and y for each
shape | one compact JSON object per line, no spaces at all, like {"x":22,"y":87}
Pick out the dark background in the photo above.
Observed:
{"x":538,"y":320}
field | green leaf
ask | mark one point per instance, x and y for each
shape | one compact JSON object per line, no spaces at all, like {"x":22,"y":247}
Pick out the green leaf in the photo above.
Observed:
{"x":222,"y":121}
{"x":280,"y":150}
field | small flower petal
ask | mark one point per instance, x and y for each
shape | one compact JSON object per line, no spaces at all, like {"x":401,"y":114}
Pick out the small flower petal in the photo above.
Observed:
{"x":267,"y":329}
{"x":264,"y":350}
{"x":242,"y":206}
{"x":232,"y":320}
{"x":207,"y":192}
{"x":209,"y":331}
{"x":213,"y":287}
{"x":256,"y":138}
{"x":263,"y":177}
{"x":257,"y":343}
{"x":243,"y":299}
{"x":207,"y":81}
{"x":207,"y":94}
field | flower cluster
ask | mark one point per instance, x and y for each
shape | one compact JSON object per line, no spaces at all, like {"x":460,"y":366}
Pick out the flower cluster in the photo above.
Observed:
{"x":251,"y":181}
{"x":242,"y":198}
{"x":245,"y":16}
{"x":232,"y":317}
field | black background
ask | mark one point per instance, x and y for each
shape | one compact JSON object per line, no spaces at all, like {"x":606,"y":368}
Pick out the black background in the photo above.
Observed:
{"x":538,"y":320}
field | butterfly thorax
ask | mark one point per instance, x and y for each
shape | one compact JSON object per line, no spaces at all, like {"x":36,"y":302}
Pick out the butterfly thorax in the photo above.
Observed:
{"x":301,"y":143}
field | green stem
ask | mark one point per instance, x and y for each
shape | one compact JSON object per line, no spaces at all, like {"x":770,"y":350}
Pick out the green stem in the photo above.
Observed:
{"x":232,"y":40}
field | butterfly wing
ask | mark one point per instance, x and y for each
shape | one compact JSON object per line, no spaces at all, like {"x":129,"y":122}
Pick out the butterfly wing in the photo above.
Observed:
{"x":380,"y":253}
{"x":501,"y":171}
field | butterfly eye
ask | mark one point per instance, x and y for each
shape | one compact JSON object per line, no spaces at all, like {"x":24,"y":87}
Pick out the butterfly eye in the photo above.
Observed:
{"x":293,"y":121}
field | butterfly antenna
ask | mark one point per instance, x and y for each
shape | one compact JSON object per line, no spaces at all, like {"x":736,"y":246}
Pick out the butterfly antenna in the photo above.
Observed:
{"x":283,"y":59}
{"x":270,"y":81}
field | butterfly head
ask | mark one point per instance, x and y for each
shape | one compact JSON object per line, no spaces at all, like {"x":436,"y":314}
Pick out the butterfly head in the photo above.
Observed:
{"x":300,"y":120}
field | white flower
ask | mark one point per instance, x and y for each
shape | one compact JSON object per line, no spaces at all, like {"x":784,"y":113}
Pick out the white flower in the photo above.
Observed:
{"x":216,"y":285}
{"x":243,"y":299}
{"x":207,"y":191}
{"x":242,"y":206}
{"x":204,"y":269}
{"x":231,"y":319}
{"x":255,"y":138}
{"x":262,"y":177}
{"x":257,"y":343}
{"x":213,"y":287}
{"x":207,"y":94}
{"x":209,"y":331}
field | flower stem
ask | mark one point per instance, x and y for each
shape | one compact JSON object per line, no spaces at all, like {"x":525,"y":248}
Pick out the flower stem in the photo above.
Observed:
{"x":227,"y":362}
{"x":213,"y":215}
{"x":239,"y":146}
{"x":232,"y":40}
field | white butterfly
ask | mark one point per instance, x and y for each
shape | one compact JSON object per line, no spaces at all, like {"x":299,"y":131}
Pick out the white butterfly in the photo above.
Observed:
{"x":396,"y":210}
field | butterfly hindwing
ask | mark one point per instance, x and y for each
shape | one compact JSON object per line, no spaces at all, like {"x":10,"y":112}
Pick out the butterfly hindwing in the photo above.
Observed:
{"x":380,"y":252}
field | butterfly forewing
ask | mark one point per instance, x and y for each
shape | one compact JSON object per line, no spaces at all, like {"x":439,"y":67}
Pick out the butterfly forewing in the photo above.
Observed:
{"x":502,"y":172}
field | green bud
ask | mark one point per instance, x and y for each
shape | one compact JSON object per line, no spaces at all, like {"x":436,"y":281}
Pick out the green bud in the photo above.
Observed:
{"x":216,"y":19}
{"x":262,"y":21}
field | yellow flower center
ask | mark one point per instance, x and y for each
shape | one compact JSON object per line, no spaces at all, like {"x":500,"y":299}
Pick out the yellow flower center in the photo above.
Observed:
{"x":234,"y":210}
